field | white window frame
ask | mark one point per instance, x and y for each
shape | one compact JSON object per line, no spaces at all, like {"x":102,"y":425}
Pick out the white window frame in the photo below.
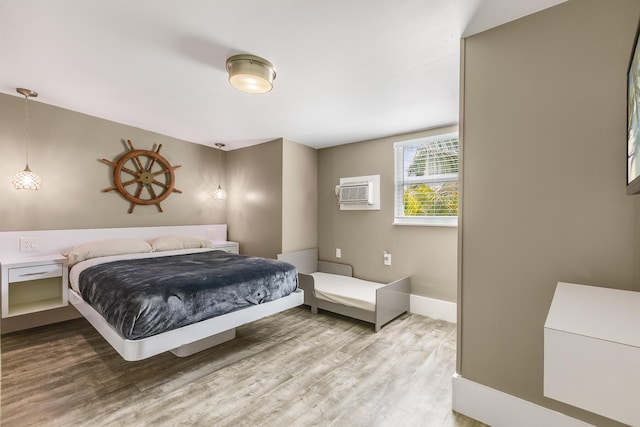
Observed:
{"x":400,"y":181}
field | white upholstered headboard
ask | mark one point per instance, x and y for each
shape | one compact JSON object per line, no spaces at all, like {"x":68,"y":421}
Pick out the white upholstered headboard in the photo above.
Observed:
{"x":52,"y":242}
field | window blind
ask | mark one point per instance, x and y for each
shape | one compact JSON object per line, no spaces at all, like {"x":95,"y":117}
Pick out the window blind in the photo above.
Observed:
{"x":426,"y":180}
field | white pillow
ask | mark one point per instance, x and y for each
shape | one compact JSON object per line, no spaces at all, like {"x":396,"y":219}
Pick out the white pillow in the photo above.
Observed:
{"x":174,"y":242}
{"x":100,"y":248}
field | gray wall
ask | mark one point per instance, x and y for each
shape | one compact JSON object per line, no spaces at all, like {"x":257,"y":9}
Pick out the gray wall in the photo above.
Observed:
{"x":65,"y":150}
{"x":544,"y":125}
{"x":255,"y":198}
{"x":299,"y":197}
{"x":428,"y":254}
{"x":272,"y":197}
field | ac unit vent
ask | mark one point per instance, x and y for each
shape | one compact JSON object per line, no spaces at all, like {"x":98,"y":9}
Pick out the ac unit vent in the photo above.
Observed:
{"x":356,"y":193}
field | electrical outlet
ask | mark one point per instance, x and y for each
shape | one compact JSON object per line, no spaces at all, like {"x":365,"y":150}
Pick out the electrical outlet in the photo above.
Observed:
{"x":338,"y":253}
{"x":387,"y":258}
{"x":29,"y":244}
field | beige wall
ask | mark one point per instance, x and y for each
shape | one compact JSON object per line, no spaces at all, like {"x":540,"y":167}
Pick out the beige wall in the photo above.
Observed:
{"x":272,"y":198}
{"x":544,"y":124}
{"x":299,"y":197}
{"x":255,"y":198}
{"x":428,"y":254}
{"x":65,"y":150}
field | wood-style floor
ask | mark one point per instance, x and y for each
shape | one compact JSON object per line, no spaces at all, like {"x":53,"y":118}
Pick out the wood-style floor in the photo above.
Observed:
{"x":291,"y":369}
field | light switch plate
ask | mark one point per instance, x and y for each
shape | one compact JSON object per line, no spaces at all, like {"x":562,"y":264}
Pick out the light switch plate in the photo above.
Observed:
{"x":29,"y":244}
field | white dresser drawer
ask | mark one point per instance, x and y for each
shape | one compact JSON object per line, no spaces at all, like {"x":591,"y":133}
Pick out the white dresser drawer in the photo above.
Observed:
{"x":22,"y":274}
{"x":231,"y":247}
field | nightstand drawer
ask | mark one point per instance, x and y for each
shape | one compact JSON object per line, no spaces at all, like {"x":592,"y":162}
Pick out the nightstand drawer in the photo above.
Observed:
{"x":231,"y":247}
{"x":33,"y":284}
{"x":35,"y":272}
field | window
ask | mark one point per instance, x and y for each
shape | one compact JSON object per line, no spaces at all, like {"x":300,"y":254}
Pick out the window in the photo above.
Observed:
{"x":426,"y":181}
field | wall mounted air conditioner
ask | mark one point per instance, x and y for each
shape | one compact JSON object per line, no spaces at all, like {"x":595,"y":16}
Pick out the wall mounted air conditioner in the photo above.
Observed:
{"x":359,"y":193}
{"x":356,"y":193}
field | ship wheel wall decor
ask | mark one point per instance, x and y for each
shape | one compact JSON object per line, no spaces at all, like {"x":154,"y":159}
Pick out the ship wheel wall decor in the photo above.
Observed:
{"x":143,"y":177}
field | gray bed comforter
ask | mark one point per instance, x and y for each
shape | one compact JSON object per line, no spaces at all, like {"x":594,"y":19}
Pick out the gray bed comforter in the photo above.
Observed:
{"x":144,"y":297}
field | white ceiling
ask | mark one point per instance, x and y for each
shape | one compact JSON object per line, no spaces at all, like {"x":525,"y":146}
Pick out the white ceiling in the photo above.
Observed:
{"x":347,"y":70}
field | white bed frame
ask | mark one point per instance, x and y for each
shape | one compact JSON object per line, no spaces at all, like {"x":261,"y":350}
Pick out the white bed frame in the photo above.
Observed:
{"x":392,"y":300}
{"x":183,"y":341}
{"x":186,"y":340}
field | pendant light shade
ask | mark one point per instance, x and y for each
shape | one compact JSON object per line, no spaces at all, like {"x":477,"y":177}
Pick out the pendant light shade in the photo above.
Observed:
{"x":251,"y":74}
{"x":219,"y":193}
{"x":26,"y":179}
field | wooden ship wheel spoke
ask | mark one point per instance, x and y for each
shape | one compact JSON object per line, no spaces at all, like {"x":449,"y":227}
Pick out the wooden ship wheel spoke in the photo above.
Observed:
{"x":148,"y":169}
{"x":124,"y":169}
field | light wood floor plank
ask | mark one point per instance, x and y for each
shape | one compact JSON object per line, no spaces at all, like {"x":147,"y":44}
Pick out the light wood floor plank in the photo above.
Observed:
{"x":290,"y":369}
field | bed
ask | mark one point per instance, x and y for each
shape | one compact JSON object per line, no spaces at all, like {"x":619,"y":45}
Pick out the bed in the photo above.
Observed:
{"x":331,"y":286}
{"x":176,"y":316}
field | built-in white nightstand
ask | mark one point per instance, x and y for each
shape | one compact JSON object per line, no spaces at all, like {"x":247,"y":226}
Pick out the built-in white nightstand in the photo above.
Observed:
{"x":33,"y":284}
{"x":231,"y":247}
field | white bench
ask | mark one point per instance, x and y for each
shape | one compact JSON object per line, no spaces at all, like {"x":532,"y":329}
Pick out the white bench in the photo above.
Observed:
{"x":330,"y":286}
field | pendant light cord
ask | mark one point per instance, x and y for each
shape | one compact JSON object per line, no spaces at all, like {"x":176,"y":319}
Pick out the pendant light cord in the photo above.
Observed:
{"x":26,"y":126}
{"x":219,"y":166}
{"x":219,"y":146}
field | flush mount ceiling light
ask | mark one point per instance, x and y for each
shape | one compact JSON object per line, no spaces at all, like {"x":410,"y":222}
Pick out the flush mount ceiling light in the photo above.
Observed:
{"x":219,"y":193}
{"x":250,"y":73}
{"x":26,"y":179}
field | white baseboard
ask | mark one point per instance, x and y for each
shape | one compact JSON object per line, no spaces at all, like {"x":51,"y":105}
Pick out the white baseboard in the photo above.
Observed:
{"x":499,"y":409}
{"x":434,"y":308}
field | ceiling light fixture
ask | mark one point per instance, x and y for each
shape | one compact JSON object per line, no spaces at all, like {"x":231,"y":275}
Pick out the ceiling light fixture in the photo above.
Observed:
{"x":219,"y":193}
{"x":250,"y":73}
{"x":26,"y":179}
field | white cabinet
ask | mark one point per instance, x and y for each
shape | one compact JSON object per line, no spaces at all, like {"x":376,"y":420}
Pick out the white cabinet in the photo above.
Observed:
{"x":33,"y":284}
{"x":592,"y":350}
{"x":231,"y":247}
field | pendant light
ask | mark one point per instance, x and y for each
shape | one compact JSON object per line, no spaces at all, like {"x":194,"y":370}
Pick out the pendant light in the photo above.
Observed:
{"x":250,"y":73}
{"x":219,"y":193}
{"x":26,"y":179}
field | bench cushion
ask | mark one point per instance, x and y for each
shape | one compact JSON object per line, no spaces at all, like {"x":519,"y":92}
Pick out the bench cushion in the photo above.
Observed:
{"x":346,"y":290}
